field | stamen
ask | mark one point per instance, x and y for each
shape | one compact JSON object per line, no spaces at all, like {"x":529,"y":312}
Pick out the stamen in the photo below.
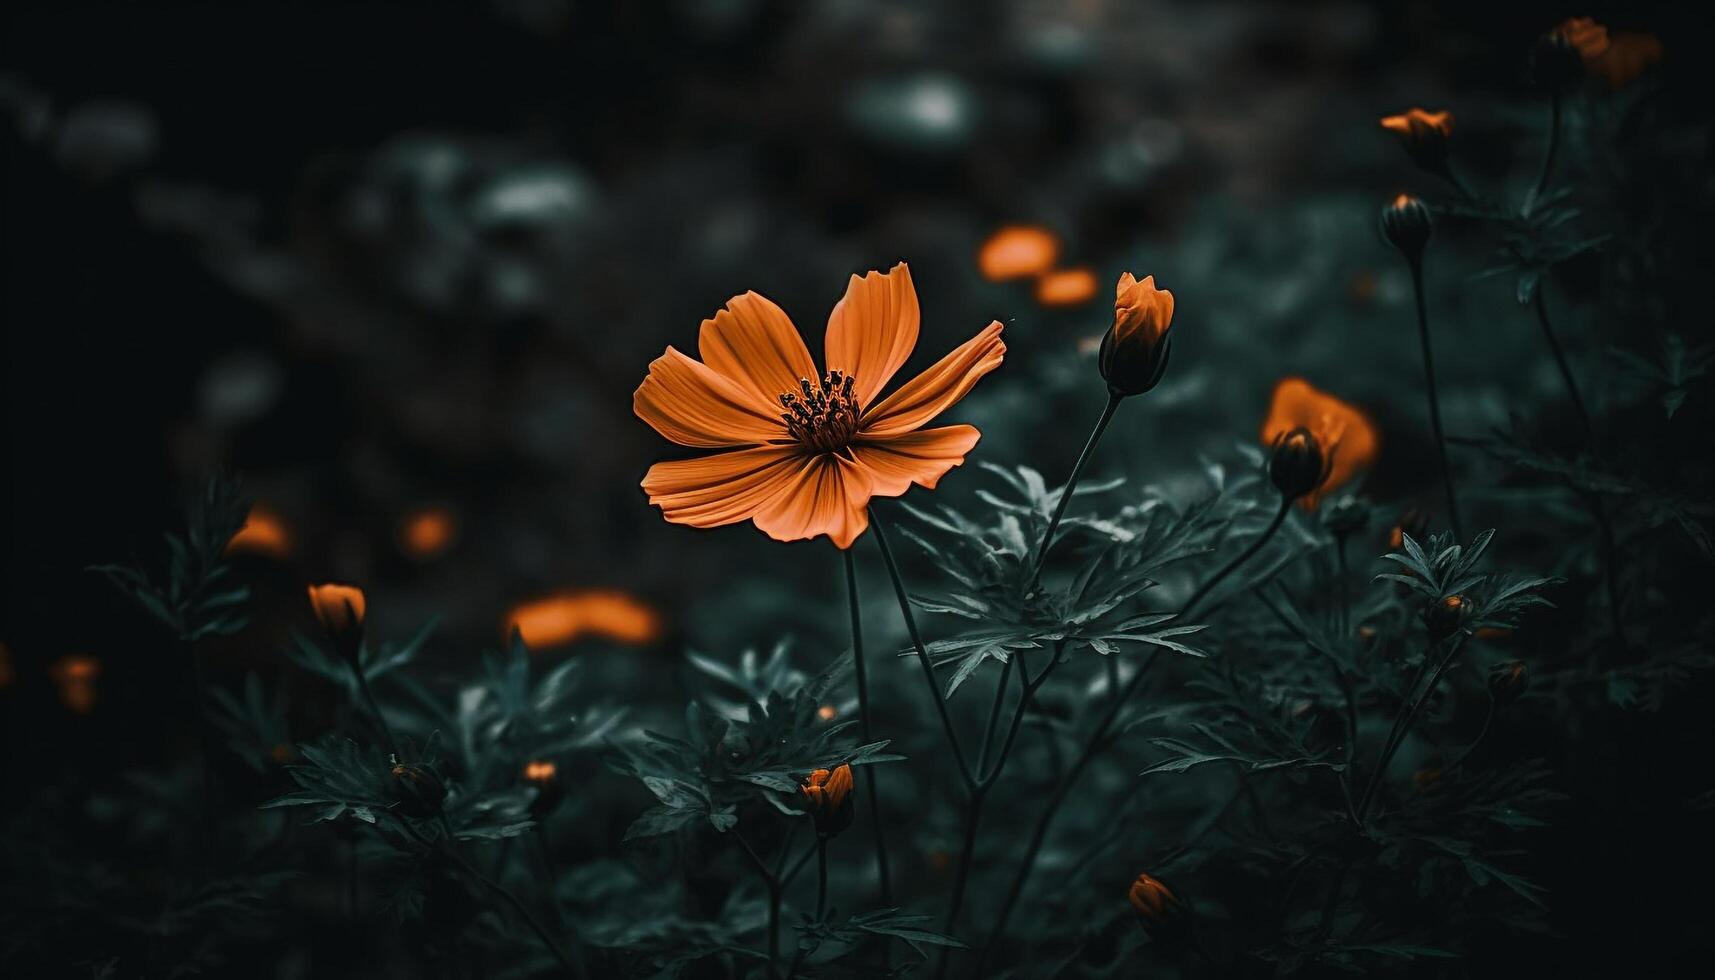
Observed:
{"x":823,"y":417}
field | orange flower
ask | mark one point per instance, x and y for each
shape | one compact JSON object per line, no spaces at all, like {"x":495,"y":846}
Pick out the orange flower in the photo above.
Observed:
{"x":1150,"y":897}
{"x":558,"y":619}
{"x":1424,"y":135}
{"x":1627,"y":57}
{"x":1587,"y":37}
{"x":339,"y":608}
{"x":827,"y":712}
{"x":1018,"y":252}
{"x":264,"y":533}
{"x":811,"y":469}
{"x":427,"y":532}
{"x":1344,"y":434}
{"x":540,"y":771}
{"x":75,"y":675}
{"x":1134,"y":352}
{"x":1420,"y":124}
{"x":827,"y":797}
{"x":1067,"y":287}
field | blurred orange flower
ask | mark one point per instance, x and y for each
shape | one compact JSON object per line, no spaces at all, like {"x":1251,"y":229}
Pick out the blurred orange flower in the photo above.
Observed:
{"x":540,"y":771}
{"x":1616,"y":58}
{"x":340,"y":608}
{"x":75,"y":675}
{"x":807,"y":457}
{"x":1067,"y":287}
{"x":561,"y":618}
{"x":1018,"y":252}
{"x":1420,"y":124}
{"x":264,"y":533}
{"x":1345,"y":434}
{"x":428,"y":532}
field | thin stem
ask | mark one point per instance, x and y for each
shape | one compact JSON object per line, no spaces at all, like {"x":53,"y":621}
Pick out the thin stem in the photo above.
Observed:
{"x":862,"y":676}
{"x":1547,"y":154}
{"x":922,"y":653}
{"x":375,"y":709}
{"x":1345,"y":621}
{"x":199,"y":690}
{"x":1403,"y":726}
{"x":994,"y":715}
{"x":1488,"y":720}
{"x":1434,"y":397}
{"x":1097,"y":742}
{"x":773,"y":883}
{"x":1561,"y":362}
{"x":1240,"y":559}
{"x":821,"y":878}
{"x":1072,"y":483}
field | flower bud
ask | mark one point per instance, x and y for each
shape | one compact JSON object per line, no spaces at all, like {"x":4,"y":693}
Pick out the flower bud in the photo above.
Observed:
{"x":1508,"y":681}
{"x":1424,"y":135}
{"x":1447,"y":617}
{"x":1405,"y":224}
{"x":826,"y":796}
{"x":1134,"y":352}
{"x":545,"y":776}
{"x":1159,"y":911}
{"x":339,"y":608}
{"x":1346,"y":515}
{"x":1298,"y":465}
{"x":418,"y":789}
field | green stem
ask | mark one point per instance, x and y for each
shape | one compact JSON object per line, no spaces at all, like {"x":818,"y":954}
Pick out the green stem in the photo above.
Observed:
{"x":1488,"y":720}
{"x":1434,"y":397}
{"x":205,"y":732}
{"x":1095,"y":744}
{"x":772,"y":881}
{"x":1072,"y":483}
{"x":375,"y":709}
{"x":1547,"y":155}
{"x":922,"y":652}
{"x":821,"y":878}
{"x":1403,"y":726}
{"x":861,"y":673}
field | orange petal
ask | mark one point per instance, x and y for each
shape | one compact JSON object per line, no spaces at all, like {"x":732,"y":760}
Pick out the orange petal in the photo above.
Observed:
{"x":920,"y":457}
{"x":873,"y":329}
{"x":937,"y":389}
{"x":693,"y":405}
{"x":830,"y":496}
{"x":1343,"y":430}
{"x":754,"y":343}
{"x":724,"y":488}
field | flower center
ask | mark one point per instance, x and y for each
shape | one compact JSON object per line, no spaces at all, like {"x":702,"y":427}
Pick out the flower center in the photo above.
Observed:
{"x":822,"y":417}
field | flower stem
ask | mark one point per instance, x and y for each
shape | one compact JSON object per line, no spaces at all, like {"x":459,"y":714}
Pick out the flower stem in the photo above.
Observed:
{"x":1434,"y":396}
{"x":1072,"y":483}
{"x":772,"y":881}
{"x":821,"y":878}
{"x":1488,"y":720}
{"x":1402,"y":725}
{"x":1547,"y":154}
{"x":922,"y":652}
{"x":1097,"y":742}
{"x":874,"y":794}
{"x":199,"y":690}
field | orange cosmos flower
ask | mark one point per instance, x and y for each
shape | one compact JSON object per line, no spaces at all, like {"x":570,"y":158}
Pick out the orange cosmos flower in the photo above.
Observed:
{"x":1424,"y":135}
{"x":827,"y":797}
{"x":340,"y":609}
{"x":1018,"y":252}
{"x":75,"y":676}
{"x":1344,"y":434}
{"x":264,"y":533}
{"x":807,"y":457}
{"x":558,"y":619}
{"x":428,"y":532}
{"x":1067,"y":287}
{"x":1134,"y":352}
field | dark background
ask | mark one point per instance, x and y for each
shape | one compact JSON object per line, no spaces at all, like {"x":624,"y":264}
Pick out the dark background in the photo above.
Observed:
{"x":304,"y":206}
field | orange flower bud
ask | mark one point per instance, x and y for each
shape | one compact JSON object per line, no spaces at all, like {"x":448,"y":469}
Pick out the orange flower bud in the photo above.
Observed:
{"x":418,"y":789}
{"x":543,"y":774}
{"x":1018,"y":252}
{"x":1343,"y":435}
{"x":1508,"y":681}
{"x":1424,"y":135}
{"x":1447,"y":617}
{"x":1066,"y":287}
{"x":428,"y":532}
{"x":827,"y":798}
{"x":1159,"y":910}
{"x":1405,"y":224}
{"x":1134,"y":352}
{"x":340,"y":609}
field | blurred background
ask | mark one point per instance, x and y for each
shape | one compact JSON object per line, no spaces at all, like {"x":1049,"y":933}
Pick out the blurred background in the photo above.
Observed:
{"x":400,"y":266}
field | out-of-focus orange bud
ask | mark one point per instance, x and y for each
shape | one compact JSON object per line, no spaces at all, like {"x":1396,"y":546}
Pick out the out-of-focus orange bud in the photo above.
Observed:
{"x":1424,"y":135}
{"x":1343,"y":433}
{"x":540,"y":771}
{"x":263,"y":533}
{"x":1067,"y":287}
{"x":340,"y":610}
{"x":564,"y":617}
{"x":1366,"y":632}
{"x":1447,"y":617}
{"x":1425,"y":778}
{"x":427,"y":532}
{"x":1586,"y":37}
{"x":282,"y":753}
{"x":1018,"y":252}
{"x":75,"y":675}
{"x":1159,"y":910}
{"x":827,"y":712}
